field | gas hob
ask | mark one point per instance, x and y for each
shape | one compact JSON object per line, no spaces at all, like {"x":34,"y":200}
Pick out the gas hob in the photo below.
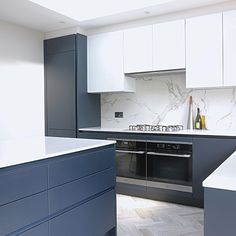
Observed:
{"x":157,"y":128}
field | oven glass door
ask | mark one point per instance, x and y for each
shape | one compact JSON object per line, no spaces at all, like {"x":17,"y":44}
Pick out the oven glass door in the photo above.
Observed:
{"x":170,"y":167}
{"x":131,"y":159}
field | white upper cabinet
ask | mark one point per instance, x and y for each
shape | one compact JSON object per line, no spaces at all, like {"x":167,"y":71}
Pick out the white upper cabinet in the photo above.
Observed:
{"x":229,"y":26}
{"x":138,"y":49}
{"x":204,"y":44}
{"x":169,"y":45}
{"x":105,"y":64}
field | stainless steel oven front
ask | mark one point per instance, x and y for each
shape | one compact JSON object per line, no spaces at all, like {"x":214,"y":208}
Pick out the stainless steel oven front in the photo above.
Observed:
{"x":131,"y":163}
{"x":169,"y":165}
{"x":155,"y":164}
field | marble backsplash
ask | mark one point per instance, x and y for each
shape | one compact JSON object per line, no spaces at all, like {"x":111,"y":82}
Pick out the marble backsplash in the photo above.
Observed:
{"x":163,"y":99}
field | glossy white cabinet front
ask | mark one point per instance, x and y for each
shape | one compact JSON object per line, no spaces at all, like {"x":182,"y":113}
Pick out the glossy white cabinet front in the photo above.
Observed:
{"x":204,"y":49}
{"x":229,"y":26}
{"x":105,"y":64}
{"x":138,"y":49}
{"x":169,"y":45}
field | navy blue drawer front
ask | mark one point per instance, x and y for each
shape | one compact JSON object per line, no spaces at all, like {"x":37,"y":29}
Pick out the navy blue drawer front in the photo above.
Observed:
{"x":22,"y":182}
{"x":40,"y":230}
{"x":95,"y":217}
{"x":78,"y":165}
{"x":23,"y":212}
{"x":76,"y":191}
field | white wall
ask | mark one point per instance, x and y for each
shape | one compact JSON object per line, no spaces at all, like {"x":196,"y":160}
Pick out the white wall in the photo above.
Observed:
{"x":21,"y":82}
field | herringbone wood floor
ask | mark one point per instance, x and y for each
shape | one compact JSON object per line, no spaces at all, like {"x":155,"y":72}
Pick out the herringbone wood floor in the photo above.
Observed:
{"x":142,"y":217}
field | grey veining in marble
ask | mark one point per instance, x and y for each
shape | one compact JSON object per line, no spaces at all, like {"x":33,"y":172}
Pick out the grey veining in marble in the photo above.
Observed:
{"x":163,"y":99}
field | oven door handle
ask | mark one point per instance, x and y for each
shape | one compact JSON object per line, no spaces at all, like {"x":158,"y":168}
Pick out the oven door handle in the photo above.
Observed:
{"x":169,"y":154}
{"x":130,"y":152}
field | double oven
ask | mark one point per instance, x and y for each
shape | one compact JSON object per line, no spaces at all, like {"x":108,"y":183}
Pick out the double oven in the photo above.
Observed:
{"x":156,"y":164}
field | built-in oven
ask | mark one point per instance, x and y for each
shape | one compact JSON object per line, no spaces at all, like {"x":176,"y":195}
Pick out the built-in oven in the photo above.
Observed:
{"x":169,"y":165}
{"x":155,"y":164}
{"x":131,"y":162}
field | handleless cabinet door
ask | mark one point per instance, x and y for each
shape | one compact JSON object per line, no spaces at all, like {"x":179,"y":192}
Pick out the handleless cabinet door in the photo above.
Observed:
{"x":105,"y":63}
{"x":61,"y":87}
{"x":169,"y":45}
{"x":138,"y":49}
{"x":204,"y":51}
{"x":229,"y":26}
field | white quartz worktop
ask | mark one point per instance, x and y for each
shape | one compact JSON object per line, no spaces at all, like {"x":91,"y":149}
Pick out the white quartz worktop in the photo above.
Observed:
{"x":224,"y":177}
{"x":181,"y":132}
{"x":19,"y":151}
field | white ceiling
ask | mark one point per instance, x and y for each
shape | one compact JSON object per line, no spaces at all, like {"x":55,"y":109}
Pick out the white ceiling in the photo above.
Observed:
{"x":49,"y":15}
{"x":26,"y":13}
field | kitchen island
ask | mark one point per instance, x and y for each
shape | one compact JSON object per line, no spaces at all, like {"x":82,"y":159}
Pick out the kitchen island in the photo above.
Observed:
{"x":219,"y":196}
{"x":57,"y":187}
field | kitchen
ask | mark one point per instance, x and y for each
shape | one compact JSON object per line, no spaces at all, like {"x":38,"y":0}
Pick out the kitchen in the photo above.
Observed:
{"x":117,"y":120}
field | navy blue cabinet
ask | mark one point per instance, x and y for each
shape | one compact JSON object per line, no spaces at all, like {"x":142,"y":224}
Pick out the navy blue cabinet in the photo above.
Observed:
{"x":18,"y":214}
{"x":11,"y":187}
{"x":91,"y":218}
{"x":208,"y":153}
{"x":40,"y":230}
{"x":68,"y":105}
{"x":73,"y":194}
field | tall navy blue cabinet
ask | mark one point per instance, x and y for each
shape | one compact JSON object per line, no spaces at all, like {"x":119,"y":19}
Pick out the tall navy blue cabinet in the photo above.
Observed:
{"x":68,"y":106}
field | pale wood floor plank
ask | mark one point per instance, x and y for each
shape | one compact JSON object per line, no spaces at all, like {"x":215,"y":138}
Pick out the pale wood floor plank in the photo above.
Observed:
{"x":143,"y":217}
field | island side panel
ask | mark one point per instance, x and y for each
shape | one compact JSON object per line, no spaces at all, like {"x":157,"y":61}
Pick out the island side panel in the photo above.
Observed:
{"x":219,"y":212}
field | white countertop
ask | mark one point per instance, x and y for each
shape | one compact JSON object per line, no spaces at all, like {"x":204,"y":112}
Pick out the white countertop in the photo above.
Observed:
{"x":19,"y":151}
{"x":224,"y":177}
{"x":181,"y":132}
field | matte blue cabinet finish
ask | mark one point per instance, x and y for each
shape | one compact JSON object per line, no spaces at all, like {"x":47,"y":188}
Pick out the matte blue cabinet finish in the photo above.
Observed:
{"x":38,"y":193}
{"x":92,"y":218}
{"x":88,"y":105}
{"x":69,"y":194}
{"x":40,"y":230}
{"x":11,"y":187}
{"x":59,"y":45}
{"x":68,"y":106}
{"x":69,"y":169}
{"x":219,"y":212}
{"x":208,"y":154}
{"x":62,"y":133}
{"x":61,"y":83}
{"x":16,"y":215}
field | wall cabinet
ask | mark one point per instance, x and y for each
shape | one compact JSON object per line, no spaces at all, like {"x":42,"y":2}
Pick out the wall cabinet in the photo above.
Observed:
{"x":229,"y":35}
{"x":204,"y":49}
{"x":138,"y":49}
{"x":68,"y":106}
{"x":169,"y":45}
{"x":105,"y":64}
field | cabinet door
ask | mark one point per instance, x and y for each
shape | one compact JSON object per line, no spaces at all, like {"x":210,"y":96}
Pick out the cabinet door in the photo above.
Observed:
{"x":61,"y":87}
{"x":138,"y":49}
{"x":105,"y":62}
{"x":204,"y":51}
{"x":169,"y":45}
{"x":229,"y":26}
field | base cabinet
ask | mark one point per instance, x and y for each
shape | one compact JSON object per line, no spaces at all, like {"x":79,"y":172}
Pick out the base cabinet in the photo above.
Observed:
{"x":75,"y":195}
{"x":91,"y":218}
{"x":40,"y":230}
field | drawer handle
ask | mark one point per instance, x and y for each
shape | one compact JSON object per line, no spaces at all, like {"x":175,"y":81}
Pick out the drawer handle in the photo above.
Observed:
{"x":168,"y":154}
{"x":130,"y":152}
